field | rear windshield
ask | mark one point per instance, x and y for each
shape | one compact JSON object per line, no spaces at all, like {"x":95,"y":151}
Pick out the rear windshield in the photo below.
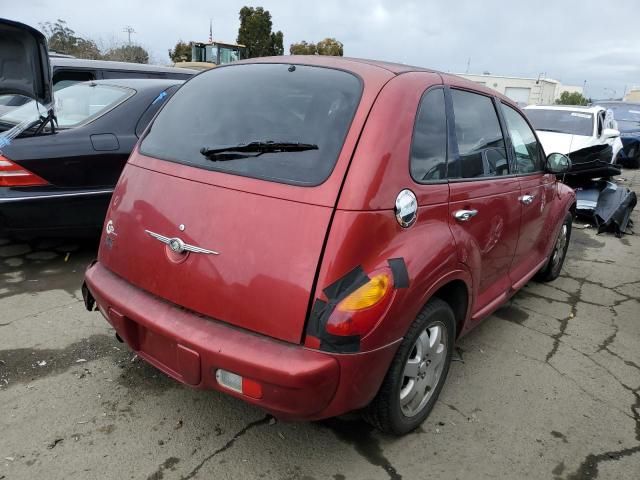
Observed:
{"x":240,"y":104}
{"x":74,"y":105}
{"x":561,"y":121}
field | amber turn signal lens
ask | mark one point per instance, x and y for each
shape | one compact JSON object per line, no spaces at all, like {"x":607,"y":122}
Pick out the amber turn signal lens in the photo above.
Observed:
{"x":367,"y":295}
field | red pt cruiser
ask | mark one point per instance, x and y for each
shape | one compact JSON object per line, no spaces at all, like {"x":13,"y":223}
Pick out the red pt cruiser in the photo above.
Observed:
{"x":312,"y":234}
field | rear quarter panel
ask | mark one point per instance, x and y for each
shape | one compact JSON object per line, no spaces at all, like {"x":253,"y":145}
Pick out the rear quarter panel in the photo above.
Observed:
{"x":365,"y":232}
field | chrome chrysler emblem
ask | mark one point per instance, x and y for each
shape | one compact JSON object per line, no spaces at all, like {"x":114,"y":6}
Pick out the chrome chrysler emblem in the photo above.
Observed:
{"x":177,"y":245}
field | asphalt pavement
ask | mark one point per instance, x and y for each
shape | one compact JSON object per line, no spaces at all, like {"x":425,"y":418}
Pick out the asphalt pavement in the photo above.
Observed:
{"x":547,"y":387}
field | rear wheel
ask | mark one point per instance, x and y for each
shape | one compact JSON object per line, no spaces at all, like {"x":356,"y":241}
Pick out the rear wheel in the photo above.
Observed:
{"x":417,"y":372}
{"x":552,"y":269}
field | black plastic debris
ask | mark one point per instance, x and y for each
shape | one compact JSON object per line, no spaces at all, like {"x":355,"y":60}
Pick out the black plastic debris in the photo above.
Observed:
{"x":608,"y":205}
{"x":591,"y":162}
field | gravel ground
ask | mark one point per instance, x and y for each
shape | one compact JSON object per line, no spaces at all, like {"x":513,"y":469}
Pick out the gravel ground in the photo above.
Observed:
{"x":547,"y":387}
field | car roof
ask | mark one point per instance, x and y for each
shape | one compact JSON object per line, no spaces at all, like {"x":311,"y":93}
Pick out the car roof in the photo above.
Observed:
{"x":350,"y":64}
{"x":345,"y":63}
{"x":566,"y":108}
{"x":57,"y":61}
{"x":139,"y":83}
{"x":616,"y":102}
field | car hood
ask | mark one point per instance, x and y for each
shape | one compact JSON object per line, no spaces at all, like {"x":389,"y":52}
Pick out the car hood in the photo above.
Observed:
{"x":24,"y":62}
{"x":554,"y":142}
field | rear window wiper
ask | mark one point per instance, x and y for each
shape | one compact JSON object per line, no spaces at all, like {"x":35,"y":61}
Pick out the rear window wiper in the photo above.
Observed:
{"x":227,"y":152}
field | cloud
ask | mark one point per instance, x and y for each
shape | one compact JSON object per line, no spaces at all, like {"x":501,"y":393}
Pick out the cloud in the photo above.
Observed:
{"x":572,"y":41}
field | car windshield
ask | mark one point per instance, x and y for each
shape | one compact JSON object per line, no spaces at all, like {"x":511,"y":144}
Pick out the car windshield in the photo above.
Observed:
{"x":625,"y":112}
{"x":257,"y":104}
{"x":561,"y":121}
{"x":76,"y":104}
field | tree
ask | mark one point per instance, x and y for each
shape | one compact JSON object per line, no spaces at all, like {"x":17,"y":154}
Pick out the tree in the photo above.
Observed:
{"x":63,"y":39}
{"x":255,"y":33}
{"x":128,"y":53}
{"x":330,"y":46}
{"x":277,"y":43}
{"x":573,"y":98}
{"x":303,"y":48}
{"x":181,"y":52}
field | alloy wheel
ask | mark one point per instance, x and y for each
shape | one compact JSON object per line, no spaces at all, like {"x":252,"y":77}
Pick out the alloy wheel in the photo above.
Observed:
{"x":423,"y":369}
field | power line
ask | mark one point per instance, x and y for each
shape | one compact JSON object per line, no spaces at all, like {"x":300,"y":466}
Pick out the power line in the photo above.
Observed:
{"x":129,"y":30}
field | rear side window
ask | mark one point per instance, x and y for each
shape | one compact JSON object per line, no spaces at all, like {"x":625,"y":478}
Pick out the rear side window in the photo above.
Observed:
{"x":429,"y":145}
{"x":480,"y":142}
{"x":525,"y":145}
{"x":152,"y":109}
{"x":65,"y":78}
{"x":131,"y":74}
{"x":241,"y":104}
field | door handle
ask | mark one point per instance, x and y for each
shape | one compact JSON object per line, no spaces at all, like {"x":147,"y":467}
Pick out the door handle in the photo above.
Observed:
{"x":465,"y":215}
{"x":527,"y":199}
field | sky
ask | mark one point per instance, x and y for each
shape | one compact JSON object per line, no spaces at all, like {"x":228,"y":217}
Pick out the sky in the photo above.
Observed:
{"x":570,"y":41}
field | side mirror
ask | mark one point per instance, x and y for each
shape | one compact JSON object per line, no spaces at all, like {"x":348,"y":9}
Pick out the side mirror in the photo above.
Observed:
{"x":558,"y":163}
{"x":610,"y":133}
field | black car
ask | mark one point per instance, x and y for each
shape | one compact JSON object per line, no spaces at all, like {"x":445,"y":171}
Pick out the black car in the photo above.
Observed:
{"x":627,"y":114}
{"x":58,"y":176}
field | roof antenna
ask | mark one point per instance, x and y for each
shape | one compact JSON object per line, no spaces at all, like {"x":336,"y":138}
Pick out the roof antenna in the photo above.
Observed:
{"x":210,"y":31}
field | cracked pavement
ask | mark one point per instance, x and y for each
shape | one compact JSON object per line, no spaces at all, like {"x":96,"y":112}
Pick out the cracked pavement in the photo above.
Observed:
{"x":547,"y":387}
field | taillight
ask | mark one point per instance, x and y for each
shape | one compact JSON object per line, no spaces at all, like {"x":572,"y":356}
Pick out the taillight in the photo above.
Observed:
{"x":13,"y":175}
{"x":360,"y":311}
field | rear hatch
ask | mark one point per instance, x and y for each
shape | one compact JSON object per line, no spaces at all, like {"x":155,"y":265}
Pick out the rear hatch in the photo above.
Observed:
{"x":24,"y":62}
{"x":262,"y":215}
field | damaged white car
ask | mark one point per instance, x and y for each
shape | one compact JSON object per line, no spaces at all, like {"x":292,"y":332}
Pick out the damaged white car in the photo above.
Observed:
{"x":567,"y":128}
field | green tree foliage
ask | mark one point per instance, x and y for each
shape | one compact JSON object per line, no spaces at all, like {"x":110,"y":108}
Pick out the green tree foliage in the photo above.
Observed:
{"x":573,"y":98}
{"x":63,"y":39}
{"x":330,"y":46}
{"x":303,"y":48}
{"x":181,"y":52}
{"x":127,"y":53}
{"x":255,"y":33}
{"x":277,"y":43}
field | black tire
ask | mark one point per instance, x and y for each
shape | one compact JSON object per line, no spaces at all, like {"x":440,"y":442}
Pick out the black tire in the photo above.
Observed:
{"x":553,"y":267}
{"x":385,"y":411}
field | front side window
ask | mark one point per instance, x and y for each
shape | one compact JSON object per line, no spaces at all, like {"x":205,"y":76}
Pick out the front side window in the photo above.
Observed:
{"x":525,"y":145}
{"x":152,"y":109}
{"x":276,"y":122}
{"x":561,"y":121}
{"x":429,"y":145}
{"x":481,"y":147}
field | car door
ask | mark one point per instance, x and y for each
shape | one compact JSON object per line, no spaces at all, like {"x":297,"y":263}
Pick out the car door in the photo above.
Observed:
{"x":536,"y":196}
{"x":484,"y":211}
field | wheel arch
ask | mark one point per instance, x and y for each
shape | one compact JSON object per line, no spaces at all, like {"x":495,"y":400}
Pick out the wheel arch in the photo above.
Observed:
{"x":456,"y":289}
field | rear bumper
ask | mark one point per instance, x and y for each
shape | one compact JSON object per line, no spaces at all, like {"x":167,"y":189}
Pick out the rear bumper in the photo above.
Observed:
{"x":44,"y":210}
{"x":297,"y":382}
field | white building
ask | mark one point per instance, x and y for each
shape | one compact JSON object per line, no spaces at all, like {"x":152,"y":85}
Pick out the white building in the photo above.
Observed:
{"x":525,"y":91}
{"x":633,"y":95}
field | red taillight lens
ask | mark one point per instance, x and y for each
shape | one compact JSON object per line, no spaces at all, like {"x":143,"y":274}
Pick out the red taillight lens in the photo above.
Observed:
{"x":359,"y":312}
{"x":13,"y":175}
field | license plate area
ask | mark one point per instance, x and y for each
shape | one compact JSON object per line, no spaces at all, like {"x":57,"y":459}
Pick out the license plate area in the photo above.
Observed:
{"x":163,"y":352}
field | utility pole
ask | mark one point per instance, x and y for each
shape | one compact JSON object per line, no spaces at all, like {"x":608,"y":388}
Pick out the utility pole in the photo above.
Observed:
{"x":129,"y":30}
{"x":468,"y":65}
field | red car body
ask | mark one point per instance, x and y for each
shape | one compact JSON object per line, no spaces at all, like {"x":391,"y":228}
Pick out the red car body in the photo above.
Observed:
{"x":249,"y":309}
